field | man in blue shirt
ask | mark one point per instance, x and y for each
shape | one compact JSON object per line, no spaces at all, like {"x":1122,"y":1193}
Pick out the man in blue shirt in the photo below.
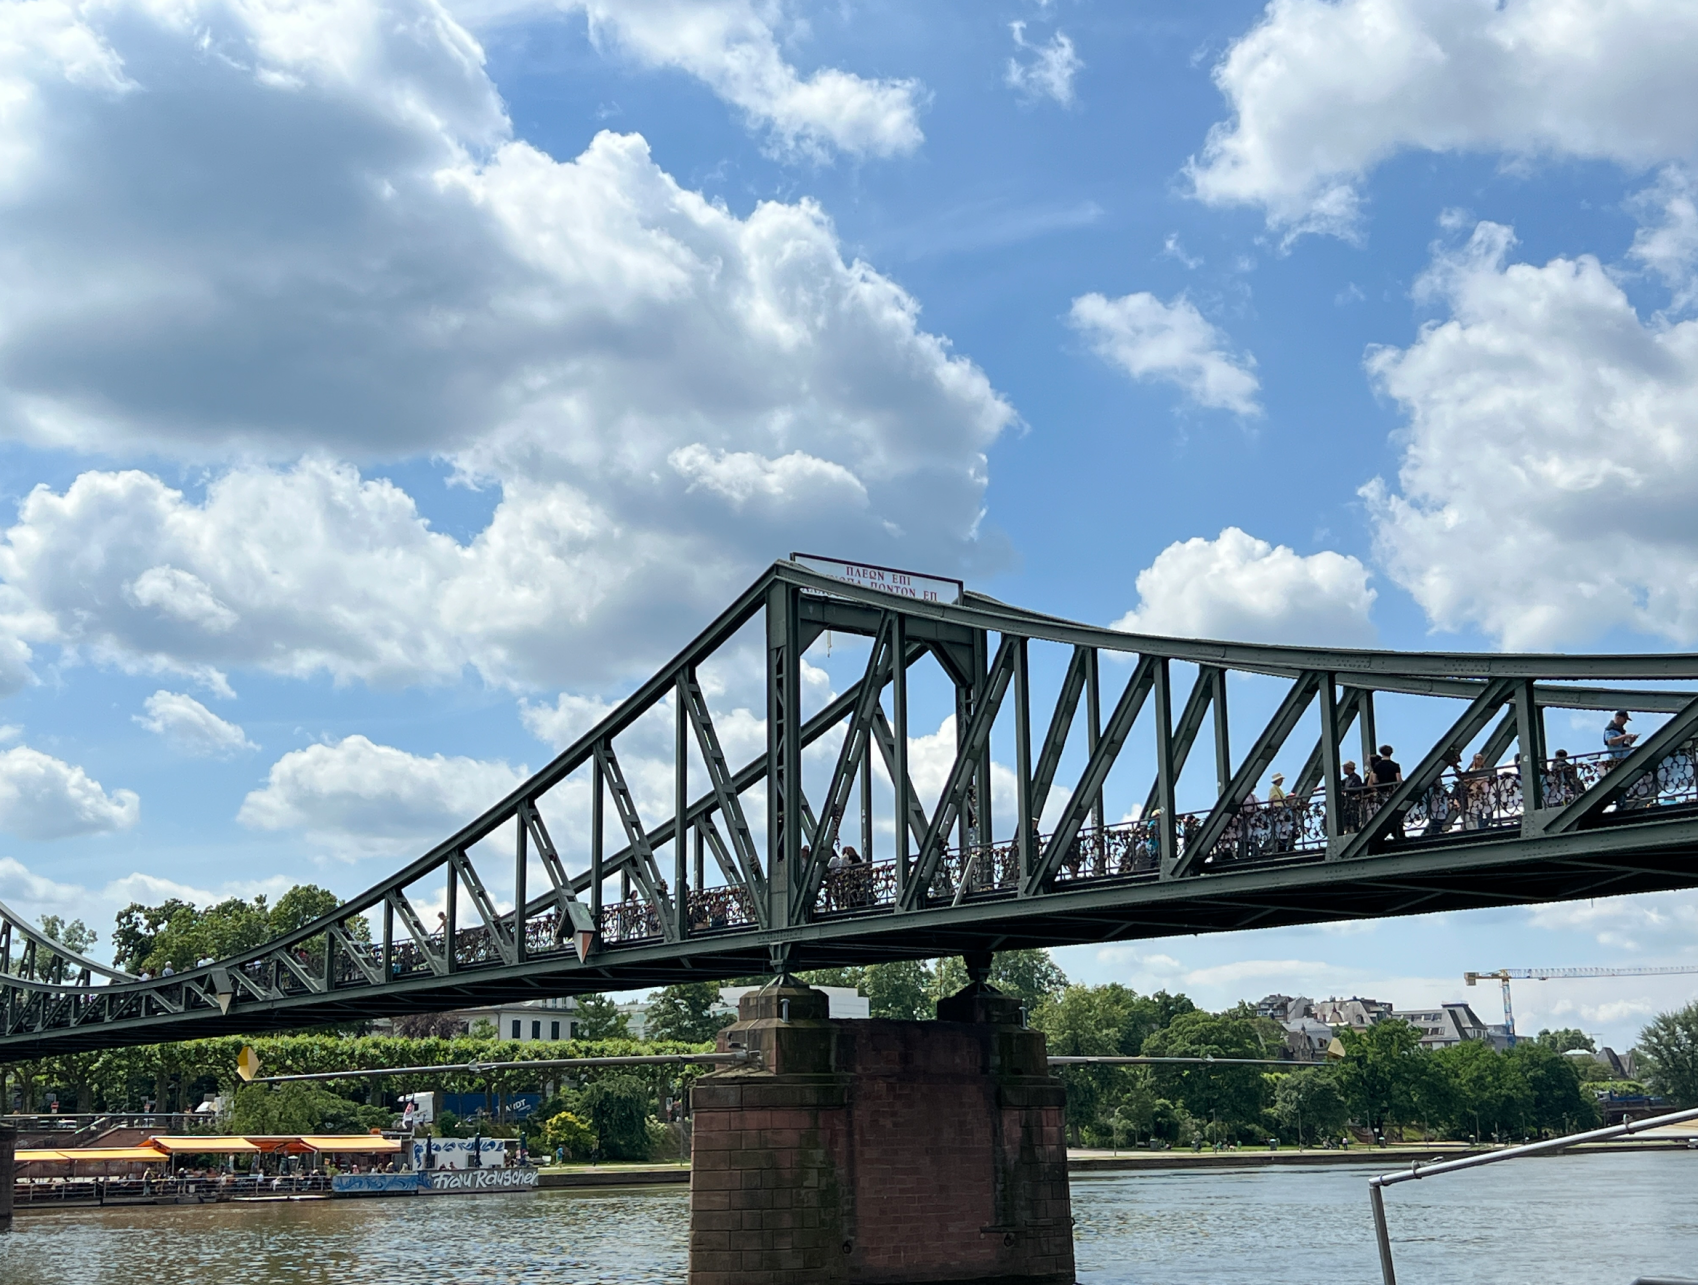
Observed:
{"x":1618,"y":741}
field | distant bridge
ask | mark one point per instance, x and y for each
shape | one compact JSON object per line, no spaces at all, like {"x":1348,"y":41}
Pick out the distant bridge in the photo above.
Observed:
{"x":733,"y":898}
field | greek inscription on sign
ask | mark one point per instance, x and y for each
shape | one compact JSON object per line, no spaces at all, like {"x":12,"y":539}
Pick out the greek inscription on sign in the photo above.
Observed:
{"x":864,"y":575}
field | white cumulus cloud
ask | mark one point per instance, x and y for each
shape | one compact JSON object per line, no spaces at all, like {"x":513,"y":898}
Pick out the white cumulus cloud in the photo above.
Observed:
{"x":1551,"y":457}
{"x":663,"y":393}
{"x":1667,"y":240}
{"x":1241,"y":588}
{"x":1048,"y":71}
{"x":735,"y":48}
{"x":1171,"y":343}
{"x":191,"y":726}
{"x":1323,"y":90}
{"x":42,"y":797}
{"x":358,"y":798}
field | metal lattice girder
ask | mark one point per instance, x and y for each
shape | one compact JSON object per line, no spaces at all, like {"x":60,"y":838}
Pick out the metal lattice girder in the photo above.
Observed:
{"x":725,"y":791}
{"x":1632,"y":828}
{"x":1641,"y":759}
{"x":1268,"y":744}
{"x":1391,"y":813}
{"x":854,"y":748}
{"x":1060,"y":724}
{"x":645,"y":869}
{"x":1102,"y":758}
{"x":962,"y":771}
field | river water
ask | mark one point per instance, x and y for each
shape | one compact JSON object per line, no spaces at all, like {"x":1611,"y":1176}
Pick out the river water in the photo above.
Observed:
{"x":1594,"y":1219}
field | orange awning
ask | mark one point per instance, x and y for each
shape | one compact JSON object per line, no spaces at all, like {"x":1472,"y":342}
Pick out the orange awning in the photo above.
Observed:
{"x":143,"y":1155}
{"x":351,"y":1143}
{"x":191,"y":1146}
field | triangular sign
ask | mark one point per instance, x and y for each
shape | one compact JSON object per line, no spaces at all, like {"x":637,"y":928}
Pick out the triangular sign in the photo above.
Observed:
{"x":247,"y":1062}
{"x":583,"y":940}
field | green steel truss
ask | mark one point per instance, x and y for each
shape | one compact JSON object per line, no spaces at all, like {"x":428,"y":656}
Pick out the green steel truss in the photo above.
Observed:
{"x":729,"y":898}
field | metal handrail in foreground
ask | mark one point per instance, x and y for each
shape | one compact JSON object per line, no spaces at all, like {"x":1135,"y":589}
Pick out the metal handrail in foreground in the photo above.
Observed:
{"x":1377,"y":1184}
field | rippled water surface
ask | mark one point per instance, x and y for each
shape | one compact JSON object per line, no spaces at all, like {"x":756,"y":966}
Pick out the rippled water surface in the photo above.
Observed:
{"x":1597,"y":1220}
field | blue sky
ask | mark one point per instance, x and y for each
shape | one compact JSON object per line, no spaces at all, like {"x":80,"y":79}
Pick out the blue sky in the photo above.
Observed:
{"x":385,"y":387}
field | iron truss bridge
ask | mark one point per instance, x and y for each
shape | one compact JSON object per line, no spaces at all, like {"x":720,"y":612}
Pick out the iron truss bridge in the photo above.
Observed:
{"x":744,"y":870}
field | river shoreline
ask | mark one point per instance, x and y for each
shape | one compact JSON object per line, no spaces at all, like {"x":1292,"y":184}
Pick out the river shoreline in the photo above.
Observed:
{"x":1078,"y":1162}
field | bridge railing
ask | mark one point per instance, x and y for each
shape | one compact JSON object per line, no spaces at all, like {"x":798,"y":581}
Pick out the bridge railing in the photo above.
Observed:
{"x":1672,"y":782}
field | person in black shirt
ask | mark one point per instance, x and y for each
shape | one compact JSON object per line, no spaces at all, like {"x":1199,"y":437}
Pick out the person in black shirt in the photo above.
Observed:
{"x":1386,"y":773}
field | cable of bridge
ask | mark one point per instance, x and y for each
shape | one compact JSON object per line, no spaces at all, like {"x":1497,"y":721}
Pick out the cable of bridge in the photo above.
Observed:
{"x":539,"y":1063}
{"x":732,"y":1056}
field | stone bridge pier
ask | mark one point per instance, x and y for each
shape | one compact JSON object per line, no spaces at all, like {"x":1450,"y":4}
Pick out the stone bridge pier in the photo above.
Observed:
{"x":880,"y":1151}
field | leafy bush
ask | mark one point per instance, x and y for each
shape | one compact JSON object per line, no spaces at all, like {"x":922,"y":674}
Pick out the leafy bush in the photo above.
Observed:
{"x":571,"y":1134}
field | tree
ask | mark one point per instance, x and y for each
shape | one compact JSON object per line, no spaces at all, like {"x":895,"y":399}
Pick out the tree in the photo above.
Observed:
{"x":1308,"y":1104}
{"x":599,"y":1018}
{"x":301,"y":1108}
{"x":1110,"y":1020}
{"x":1566,"y":1040}
{"x":1670,"y":1045}
{"x":619,"y":1109}
{"x":1382,"y":1073}
{"x":179,"y":934}
{"x":1031,"y":976}
{"x":1492,"y":1096}
{"x":137,"y":933}
{"x":900,"y":989}
{"x":685,"y":1012}
{"x":425,"y":1026}
{"x":1230,"y":1096}
{"x":1560,"y":1103}
{"x":75,"y":936}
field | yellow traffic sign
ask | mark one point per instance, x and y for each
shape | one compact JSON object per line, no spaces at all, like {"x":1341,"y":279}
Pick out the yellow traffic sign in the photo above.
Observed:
{"x":247,"y":1062}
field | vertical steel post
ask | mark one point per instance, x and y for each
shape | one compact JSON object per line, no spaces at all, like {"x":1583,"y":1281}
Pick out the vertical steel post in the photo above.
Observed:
{"x":1024,"y":841}
{"x":521,"y":855}
{"x":1370,"y":733}
{"x":1530,"y":733}
{"x":8,"y":1153}
{"x":1382,"y":1235}
{"x":1223,"y":734}
{"x":388,"y":940}
{"x":899,"y":721}
{"x":451,"y":917}
{"x":681,"y":801}
{"x":700,"y":862}
{"x":1094,"y":729}
{"x":963,"y":715}
{"x":1329,"y":756}
{"x":597,"y":874}
{"x":783,"y":748}
{"x":982,"y":769}
{"x":866,"y":796}
{"x":1167,"y":829}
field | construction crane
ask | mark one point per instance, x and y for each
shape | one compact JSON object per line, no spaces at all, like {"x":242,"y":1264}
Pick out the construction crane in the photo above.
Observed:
{"x":1545,"y":974}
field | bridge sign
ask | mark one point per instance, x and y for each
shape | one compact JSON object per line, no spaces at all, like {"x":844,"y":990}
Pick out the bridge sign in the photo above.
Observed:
{"x":864,"y":575}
